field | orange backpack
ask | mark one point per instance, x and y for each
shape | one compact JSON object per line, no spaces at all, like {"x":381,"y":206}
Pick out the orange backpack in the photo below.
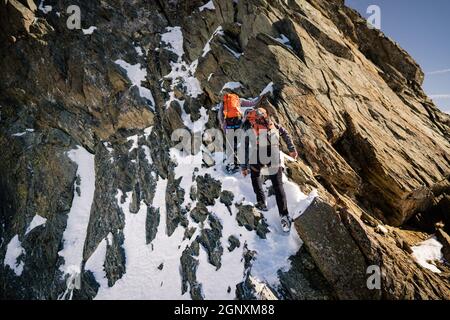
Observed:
{"x":259,"y":120}
{"x":231,"y":106}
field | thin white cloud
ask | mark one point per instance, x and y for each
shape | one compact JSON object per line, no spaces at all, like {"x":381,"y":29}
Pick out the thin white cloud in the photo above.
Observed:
{"x":443,"y":71}
{"x":440,"y":96}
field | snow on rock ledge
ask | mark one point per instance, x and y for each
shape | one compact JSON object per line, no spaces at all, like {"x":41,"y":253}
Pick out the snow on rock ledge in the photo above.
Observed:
{"x":78,"y":218}
{"x":428,"y":251}
{"x":36,"y":222}
{"x":137,"y":74}
{"x":13,"y":252}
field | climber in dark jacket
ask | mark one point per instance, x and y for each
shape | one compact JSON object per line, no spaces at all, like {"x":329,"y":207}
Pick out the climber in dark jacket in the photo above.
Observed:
{"x":256,"y":121}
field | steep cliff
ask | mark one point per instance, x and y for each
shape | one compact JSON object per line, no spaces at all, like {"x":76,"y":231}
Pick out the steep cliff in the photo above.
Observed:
{"x":95,"y":201}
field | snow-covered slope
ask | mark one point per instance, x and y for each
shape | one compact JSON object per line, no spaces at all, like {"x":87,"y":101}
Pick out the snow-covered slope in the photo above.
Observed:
{"x":143,"y":279}
{"x":153,"y":270}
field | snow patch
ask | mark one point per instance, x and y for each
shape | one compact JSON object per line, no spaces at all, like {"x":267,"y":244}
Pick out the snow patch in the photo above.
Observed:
{"x":139,"y":51}
{"x":89,"y":30}
{"x":96,"y":261}
{"x":427,"y":252}
{"x":109,"y":148}
{"x":184,"y":74}
{"x":136,"y":73}
{"x":19,"y":134}
{"x":135,"y":144}
{"x":143,"y":279}
{"x":268,"y":89}
{"x":207,"y":48}
{"x":237,"y":55}
{"x":215,"y":283}
{"x":45,"y":8}
{"x":78,"y":218}
{"x":261,"y":290}
{"x":36,"y":222}
{"x":232,"y":85}
{"x":199,"y":125}
{"x":173,"y":39}
{"x":147,"y":132}
{"x":207,"y":6}
{"x":148,"y":155}
{"x":284,"y":41}
{"x":181,"y":72}
{"x":13,"y":251}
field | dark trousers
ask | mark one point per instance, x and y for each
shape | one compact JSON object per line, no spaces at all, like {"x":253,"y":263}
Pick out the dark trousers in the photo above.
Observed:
{"x":277,"y":183}
{"x":233,"y":124}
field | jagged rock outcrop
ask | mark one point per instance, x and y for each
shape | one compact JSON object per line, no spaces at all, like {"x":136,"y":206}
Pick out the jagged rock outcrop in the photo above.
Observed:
{"x":344,"y":248}
{"x":252,"y":219}
{"x":105,"y":101}
{"x":444,"y":238}
{"x":335,"y":252}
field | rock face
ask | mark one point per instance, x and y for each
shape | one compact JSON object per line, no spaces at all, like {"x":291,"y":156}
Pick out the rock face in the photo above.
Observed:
{"x":346,"y":249}
{"x":251,"y":219}
{"x":335,"y":252}
{"x":444,"y":238}
{"x":105,"y":101}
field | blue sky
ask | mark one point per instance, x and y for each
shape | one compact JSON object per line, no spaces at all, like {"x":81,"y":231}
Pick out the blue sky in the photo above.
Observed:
{"x":422,"y":28}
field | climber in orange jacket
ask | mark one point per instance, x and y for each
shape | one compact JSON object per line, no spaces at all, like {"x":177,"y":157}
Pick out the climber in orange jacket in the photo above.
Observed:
{"x":230,"y":118}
